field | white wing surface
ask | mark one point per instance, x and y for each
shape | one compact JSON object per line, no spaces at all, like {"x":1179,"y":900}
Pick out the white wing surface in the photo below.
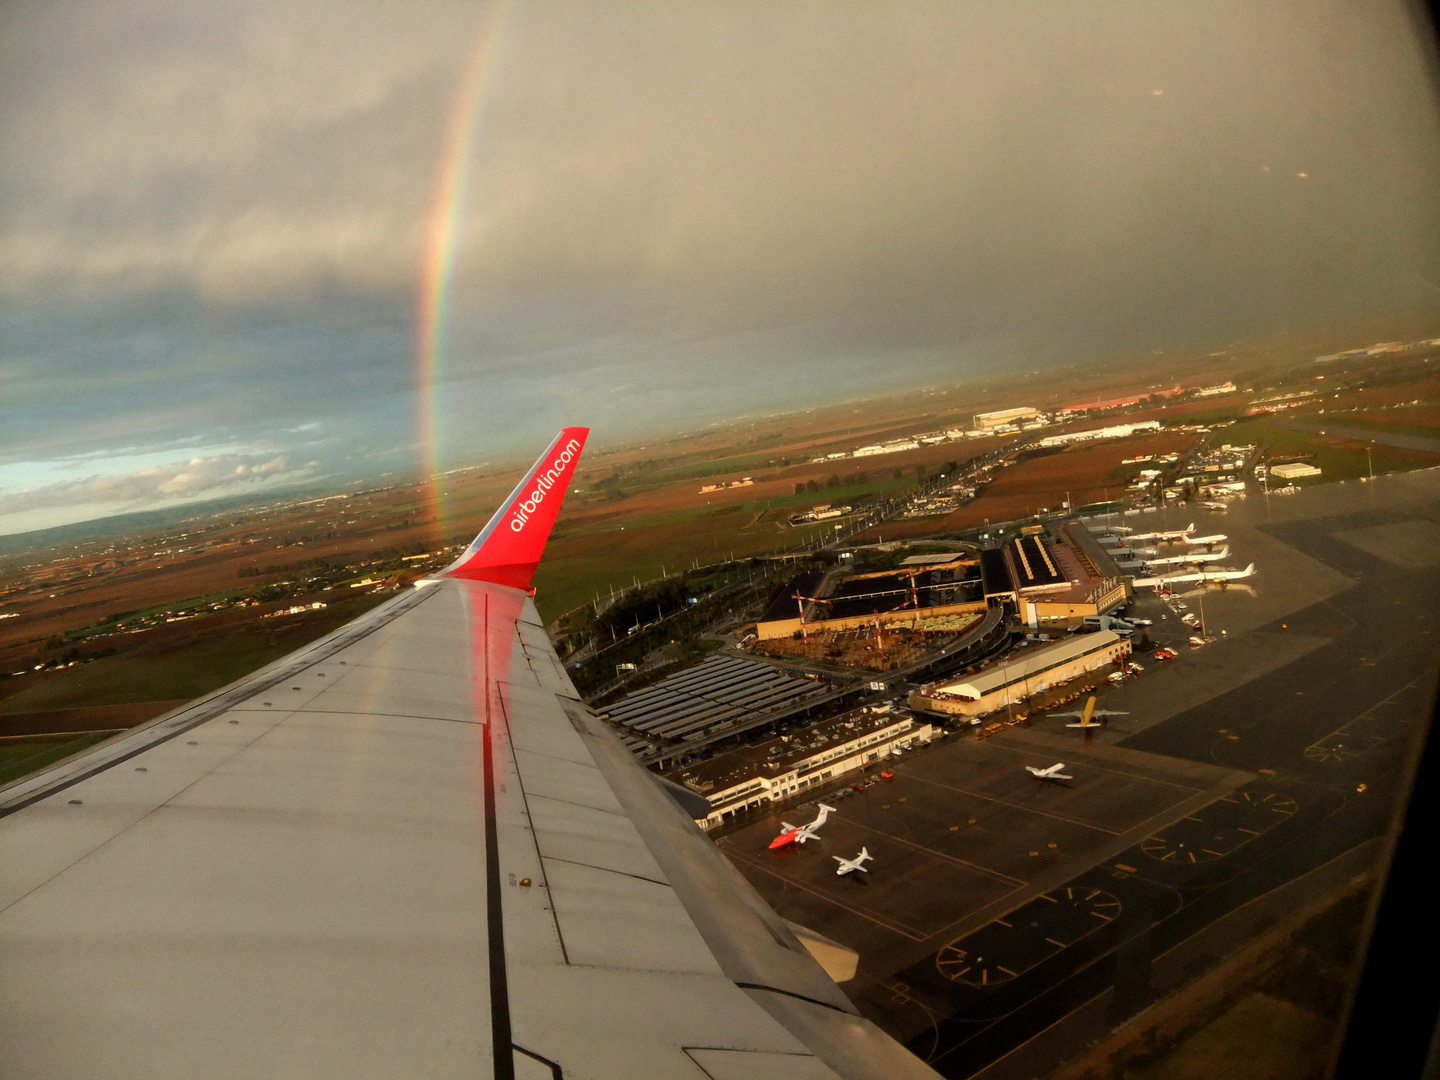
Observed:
{"x":406,"y":850}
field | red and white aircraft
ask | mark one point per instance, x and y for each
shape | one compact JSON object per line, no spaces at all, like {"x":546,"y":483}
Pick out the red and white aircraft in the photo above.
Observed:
{"x":798,"y":834}
{"x":407,"y":849}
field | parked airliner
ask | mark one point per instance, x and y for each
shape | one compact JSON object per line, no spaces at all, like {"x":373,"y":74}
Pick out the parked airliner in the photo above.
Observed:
{"x":798,"y":834}
{"x":847,"y":865}
{"x":1051,"y":772}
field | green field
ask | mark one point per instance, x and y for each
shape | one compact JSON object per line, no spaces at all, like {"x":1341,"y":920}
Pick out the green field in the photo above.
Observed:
{"x":1335,"y":462}
{"x":178,"y":670}
{"x":592,"y":559}
{"x":22,"y":757}
{"x":567,"y":581}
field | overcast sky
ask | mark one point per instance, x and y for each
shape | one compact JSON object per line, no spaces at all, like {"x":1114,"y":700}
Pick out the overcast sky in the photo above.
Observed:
{"x":213,"y":216}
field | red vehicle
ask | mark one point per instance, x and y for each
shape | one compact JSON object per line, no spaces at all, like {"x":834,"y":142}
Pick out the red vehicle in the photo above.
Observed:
{"x":887,"y":775}
{"x":1165,"y":654}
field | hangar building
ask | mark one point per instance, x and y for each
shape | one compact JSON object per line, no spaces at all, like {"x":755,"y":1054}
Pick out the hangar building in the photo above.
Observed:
{"x":1032,"y":671}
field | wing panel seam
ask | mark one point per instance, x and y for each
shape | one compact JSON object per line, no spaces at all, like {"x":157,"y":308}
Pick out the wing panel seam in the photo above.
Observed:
{"x":534,"y":840}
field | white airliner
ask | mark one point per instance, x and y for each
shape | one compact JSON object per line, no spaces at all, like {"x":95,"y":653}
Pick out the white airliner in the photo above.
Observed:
{"x":1051,"y":772}
{"x":377,"y":857}
{"x":1219,"y":575}
{"x":847,"y":865}
{"x":1191,"y":557}
{"x":1168,"y":536}
{"x":1213,"y":538}
{"x":798,"y":834}
{"x":1138,"y":549}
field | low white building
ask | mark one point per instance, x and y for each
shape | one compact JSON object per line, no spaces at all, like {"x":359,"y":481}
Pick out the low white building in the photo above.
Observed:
{"x":1294,"y":471}
{"x":752,"y":777}
{"x":1113,"y":431}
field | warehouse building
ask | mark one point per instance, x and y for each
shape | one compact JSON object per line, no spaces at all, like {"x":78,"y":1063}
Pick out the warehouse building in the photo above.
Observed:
{"x":1032,"y":671}
{"x":1294,"y":470}
{"x":754,"y":776}
{"x":1005,"y":417}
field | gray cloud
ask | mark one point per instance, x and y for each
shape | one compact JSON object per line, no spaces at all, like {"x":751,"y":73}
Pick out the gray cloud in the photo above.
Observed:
{"x":212,"y":218}
{"x":201,"y":477}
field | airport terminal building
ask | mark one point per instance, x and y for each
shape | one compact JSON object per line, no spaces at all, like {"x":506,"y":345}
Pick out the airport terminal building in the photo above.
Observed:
{"x":1054,"y":580}
{"x":1034,"y":670}
{"x":750,"y":777}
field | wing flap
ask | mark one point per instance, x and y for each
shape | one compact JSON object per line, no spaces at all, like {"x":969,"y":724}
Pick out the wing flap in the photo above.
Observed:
{"x":566,"y":781}
{"x":576,"y":834}
{"x":556,"y":1015}
{"x":613,"y":920}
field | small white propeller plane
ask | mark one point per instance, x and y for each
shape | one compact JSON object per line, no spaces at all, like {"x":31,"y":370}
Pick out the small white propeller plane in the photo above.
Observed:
{"x":1091,"y":717}
{"x":1051,"y":772}
{"x":798,"y":834}
{"x":847,"y":865}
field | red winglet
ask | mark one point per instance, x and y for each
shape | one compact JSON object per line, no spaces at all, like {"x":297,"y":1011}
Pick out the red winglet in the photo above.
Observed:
{"x":508,"y":549}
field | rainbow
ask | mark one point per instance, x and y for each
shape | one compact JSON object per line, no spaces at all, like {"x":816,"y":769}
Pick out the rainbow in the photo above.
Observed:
{"x":442,"y":240}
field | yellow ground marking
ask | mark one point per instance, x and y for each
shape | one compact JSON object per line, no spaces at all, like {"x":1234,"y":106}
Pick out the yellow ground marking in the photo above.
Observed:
{"x":1052,"y":900}
{"x":1052,"y":847}
{"x":1034,"y":853}
{"x":1007,"y":971}
{"x":1217,"y":854}
{"x":1268,"y":772}
{"x":954,"y":828}
{"x":1057,"y":944}
{"x":1097,"y":914}
{"x":1252,"y":832}
{"x":1127,"y":869}
{"x":1233,"y":738}
{"x":1002,"y":922}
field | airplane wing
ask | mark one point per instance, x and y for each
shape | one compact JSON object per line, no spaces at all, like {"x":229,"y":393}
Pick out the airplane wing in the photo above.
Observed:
{"x":407,"y":849}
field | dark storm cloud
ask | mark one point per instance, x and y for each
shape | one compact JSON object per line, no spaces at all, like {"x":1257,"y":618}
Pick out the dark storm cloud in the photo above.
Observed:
{"x":212,"y":216}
